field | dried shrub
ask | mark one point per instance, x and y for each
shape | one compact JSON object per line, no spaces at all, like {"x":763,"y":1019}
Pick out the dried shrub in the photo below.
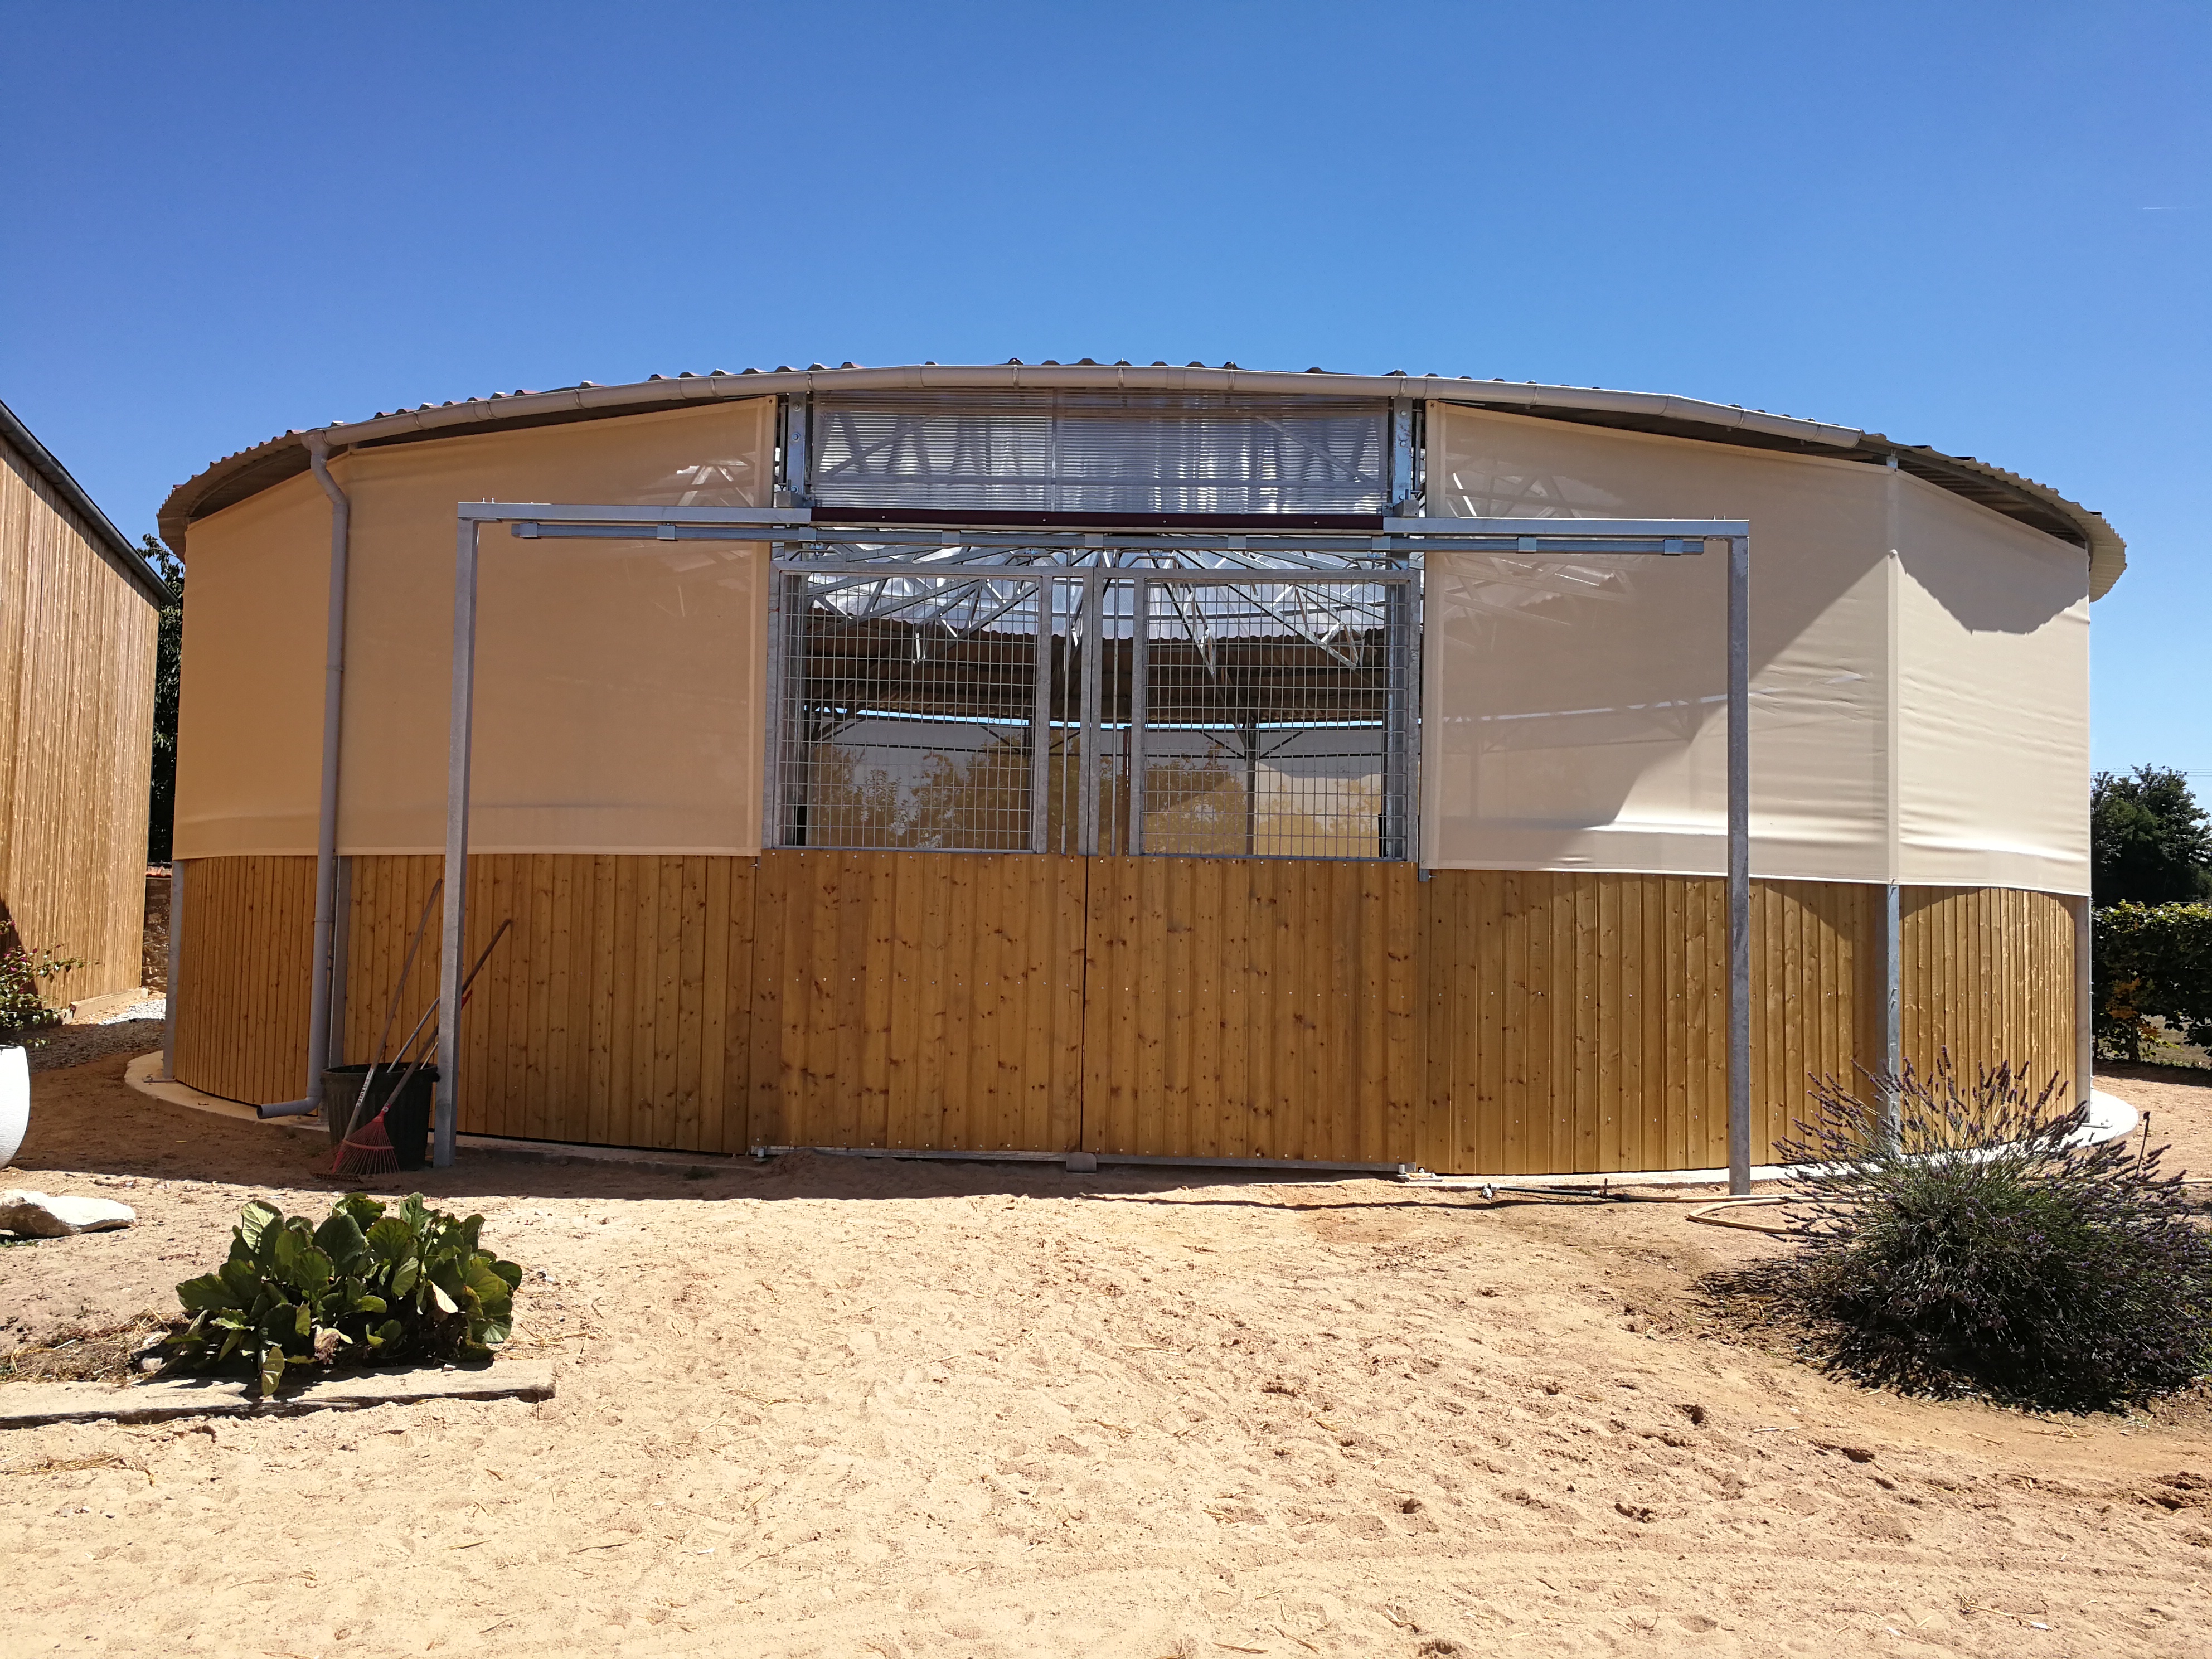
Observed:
{"x":1962,"y":1239}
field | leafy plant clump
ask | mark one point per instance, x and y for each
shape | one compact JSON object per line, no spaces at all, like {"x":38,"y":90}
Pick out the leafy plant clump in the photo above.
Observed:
{"x":1961,"y":1242}
{"x":23,"y":1006}
{"x":368,"y":1285}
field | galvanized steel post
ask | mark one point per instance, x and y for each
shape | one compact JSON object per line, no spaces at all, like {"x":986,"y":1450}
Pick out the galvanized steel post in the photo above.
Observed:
{"x":1739,"y":863}
{"x":451,"y":964}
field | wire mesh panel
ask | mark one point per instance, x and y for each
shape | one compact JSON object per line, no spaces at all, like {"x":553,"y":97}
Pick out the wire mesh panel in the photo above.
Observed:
{"x":1267,"y":719}
{"x":1097,"y":709}
{"x":909,"y":710}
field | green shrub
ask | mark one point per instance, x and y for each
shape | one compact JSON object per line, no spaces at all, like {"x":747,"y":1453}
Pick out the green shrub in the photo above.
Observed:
{"x":2151,"y":961}
{"x":368,"y":1285}
{"x":23,"y":1006}
{"x":1963,"y":1244}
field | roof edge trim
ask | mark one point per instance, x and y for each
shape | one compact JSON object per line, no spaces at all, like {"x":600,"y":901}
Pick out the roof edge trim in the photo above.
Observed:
{"x":128,"y":561}
{"x":237,"y":476}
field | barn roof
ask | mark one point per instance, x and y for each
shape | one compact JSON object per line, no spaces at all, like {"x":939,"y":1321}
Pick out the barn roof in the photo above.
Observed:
{"x":113,"y":546}
{"x":236,"y":476}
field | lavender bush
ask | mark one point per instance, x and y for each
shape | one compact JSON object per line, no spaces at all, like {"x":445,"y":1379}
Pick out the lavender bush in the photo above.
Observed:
{"x":1958,"y":1242}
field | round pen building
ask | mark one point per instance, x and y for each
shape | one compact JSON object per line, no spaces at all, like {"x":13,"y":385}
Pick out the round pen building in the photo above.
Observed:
{"x":1149,"y":761}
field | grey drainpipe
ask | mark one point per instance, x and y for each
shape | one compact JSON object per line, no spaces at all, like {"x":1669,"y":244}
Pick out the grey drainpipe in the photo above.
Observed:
{"x":326,"y":823}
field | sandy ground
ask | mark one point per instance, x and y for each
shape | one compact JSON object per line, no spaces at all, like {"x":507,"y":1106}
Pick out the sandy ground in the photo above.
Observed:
{"x":849,"y":1408}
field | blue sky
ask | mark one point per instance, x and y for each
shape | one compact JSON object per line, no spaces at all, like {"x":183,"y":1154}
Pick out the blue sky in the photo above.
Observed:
{"x":1988,"y":228}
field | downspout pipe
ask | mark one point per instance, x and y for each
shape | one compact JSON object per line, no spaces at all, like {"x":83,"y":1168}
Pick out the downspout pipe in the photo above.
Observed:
{"x":326,"y":821}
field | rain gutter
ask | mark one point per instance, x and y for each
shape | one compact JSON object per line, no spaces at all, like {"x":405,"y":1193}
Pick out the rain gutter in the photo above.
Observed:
{"x":326,"y":821}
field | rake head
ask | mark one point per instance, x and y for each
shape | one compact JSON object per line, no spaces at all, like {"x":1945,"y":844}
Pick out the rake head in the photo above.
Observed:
{"x":367,"y":1150}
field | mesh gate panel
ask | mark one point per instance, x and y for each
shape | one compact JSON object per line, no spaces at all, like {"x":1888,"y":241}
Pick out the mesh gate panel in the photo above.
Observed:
{"x":1262,"y":718}
{"x":910,"y":704}
{"x":1265,"y":720}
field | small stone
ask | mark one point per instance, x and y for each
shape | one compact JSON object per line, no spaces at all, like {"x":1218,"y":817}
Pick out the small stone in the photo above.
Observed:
{"x":1082,"y":1163}
{"x":35,"y":1215}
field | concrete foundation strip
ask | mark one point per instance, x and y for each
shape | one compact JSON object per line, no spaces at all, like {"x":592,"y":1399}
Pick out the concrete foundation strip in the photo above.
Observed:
{"x":31,"y":1405}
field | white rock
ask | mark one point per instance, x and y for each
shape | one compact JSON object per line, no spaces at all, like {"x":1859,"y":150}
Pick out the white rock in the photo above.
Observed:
{"x":35,"y":1215}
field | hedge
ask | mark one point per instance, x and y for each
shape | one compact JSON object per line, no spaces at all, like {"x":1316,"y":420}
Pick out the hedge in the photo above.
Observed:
{"x":2151,"y":961}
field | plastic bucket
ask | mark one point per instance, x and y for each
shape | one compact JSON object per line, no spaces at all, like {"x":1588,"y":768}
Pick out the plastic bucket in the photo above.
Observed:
{"x":406,"y":1120}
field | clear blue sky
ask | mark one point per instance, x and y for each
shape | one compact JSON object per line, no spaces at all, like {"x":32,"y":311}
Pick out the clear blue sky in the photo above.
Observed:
{"x":1982,"y":227}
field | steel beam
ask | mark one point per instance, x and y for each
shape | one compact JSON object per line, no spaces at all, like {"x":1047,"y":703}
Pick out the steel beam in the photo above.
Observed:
{"x":452,"y":938}
{"x":1140,"y":652}
{"x":1739,"y":863}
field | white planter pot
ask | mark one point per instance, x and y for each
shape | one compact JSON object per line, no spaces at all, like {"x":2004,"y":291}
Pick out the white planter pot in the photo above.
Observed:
{"x":15,"y":1101}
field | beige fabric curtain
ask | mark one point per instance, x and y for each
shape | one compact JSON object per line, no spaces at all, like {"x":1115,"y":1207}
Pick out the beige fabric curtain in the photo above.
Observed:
{"x":619,"y":697}
{"x":1993,"y":696}
{"x":620,"y":701}
{"x":250,"y":713}
{"x":1574,"y":715}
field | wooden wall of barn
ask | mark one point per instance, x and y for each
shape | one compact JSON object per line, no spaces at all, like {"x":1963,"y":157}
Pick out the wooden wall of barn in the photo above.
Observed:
{"x":1482,"y":1021}
{"x":76,"y":721}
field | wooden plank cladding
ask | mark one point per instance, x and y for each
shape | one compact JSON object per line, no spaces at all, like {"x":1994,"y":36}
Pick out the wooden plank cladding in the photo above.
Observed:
{"x":617,"y":1010}
{"x":1478,"y":1022}
{"x":249,"y":935}
{"x":1578,"y":1022}
{"x":76,"y":719}
{"x":931,"y":1001}
{"x":1251,"y":1008}
{"x":1989,"y":974}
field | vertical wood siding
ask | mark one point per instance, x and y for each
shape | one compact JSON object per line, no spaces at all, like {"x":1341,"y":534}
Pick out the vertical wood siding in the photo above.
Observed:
{"x":1989,"y":974}
{"x":616,"y":1012}
{"x":1251,"y":1008}
{"x":76,"y":721}
{"x":1579,"y":1022}
{"x":249,"y":933}
{"x":1480,"y":1022}
{"x":919,"y":1000}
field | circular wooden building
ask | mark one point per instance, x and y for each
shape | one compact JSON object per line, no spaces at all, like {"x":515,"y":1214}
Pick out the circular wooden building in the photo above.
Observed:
{"x":1151,"y":762}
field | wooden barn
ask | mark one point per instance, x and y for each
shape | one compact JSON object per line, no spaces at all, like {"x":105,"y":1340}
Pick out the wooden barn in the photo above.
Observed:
{"x":79,"y":616}
{"x":1143,"y":761}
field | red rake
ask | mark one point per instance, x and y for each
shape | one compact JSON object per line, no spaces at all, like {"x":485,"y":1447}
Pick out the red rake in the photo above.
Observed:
{"x":367,"y":1150}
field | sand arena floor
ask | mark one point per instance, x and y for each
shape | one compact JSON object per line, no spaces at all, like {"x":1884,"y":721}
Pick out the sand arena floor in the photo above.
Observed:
{"x":842,"y":1408}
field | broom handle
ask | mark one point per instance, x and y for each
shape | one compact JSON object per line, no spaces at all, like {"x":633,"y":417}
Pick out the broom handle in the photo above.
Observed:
{"x":392,"y":1008}
{"x":417,"y":1065}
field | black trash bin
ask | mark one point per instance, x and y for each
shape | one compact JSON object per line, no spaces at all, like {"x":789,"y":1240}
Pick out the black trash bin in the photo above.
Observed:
{"x":407,"y":1122}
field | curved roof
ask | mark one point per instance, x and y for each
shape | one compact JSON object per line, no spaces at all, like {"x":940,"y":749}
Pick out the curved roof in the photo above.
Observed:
{"x":235,"y":477}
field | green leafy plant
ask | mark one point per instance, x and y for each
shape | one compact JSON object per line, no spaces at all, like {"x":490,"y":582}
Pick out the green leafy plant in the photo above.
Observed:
{"x":23,"y":1006}
{"x":371,"y":1283}
{"x":1959,"y":1238}
{"x":2151,"y":962}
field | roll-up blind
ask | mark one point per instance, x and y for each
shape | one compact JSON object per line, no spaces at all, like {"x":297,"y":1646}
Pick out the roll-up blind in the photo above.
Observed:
{"x":1093,"y":451}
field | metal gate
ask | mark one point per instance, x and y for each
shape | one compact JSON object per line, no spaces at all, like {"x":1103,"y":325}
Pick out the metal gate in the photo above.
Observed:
{"x":1112,"y":710}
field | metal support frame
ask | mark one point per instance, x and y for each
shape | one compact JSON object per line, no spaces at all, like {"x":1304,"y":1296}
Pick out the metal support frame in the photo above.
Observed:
{"x":173,"y":986}
{"x":1739,"y":862}
{"x":453,"y":935}
{"x":1393,"y":835}
{"x":1384,"y":553}
{"x":1094,"y":672}
{"x":2085,"y":1005}
{"x":1045,"y":601}
{"x":1141,"y":668}
{"x":1893,"y":1004}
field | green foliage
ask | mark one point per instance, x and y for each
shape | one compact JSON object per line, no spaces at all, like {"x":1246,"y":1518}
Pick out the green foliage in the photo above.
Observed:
{"x":371,"y":1285}
{"x":1966,"y":1241}
{"x":168,"y":677}
{"x":2149,"y":841}
{"x":23,"y":1006}
{"x":2151,"y":961}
